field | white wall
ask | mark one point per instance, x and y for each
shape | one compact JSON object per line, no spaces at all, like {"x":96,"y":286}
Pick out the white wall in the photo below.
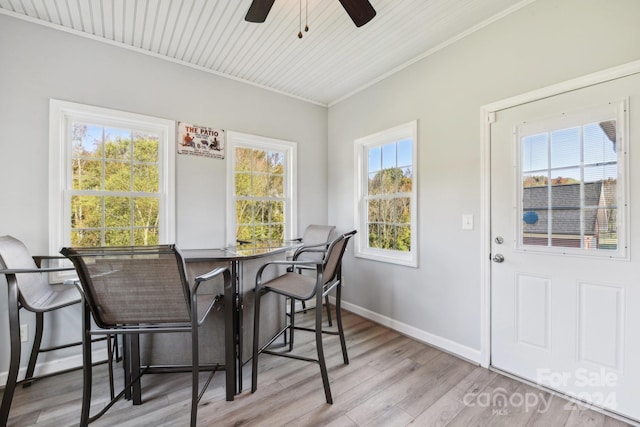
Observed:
{"x":546,"y":42}
{"x":38,"y":63}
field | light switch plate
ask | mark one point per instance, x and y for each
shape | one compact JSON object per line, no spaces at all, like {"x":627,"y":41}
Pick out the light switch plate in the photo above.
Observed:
{"x":467,"y":222}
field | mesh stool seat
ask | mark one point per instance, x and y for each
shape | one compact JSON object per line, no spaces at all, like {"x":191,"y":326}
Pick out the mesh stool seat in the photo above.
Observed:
{"x":298,"y":287}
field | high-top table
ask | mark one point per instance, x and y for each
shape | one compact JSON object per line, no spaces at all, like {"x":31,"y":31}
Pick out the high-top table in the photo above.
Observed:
{"x":230,"y":329}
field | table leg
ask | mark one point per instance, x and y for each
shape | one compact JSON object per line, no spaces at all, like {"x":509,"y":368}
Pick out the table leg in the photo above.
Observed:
{"x":126,"y":351}
{"x":238,"y":321}
{"x":134,"y":355}
{"x":230,"y":311}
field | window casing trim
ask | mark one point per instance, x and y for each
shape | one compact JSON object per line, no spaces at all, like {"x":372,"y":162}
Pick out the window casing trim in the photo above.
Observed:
{"x":361,"y":145}
{"x":61,"y":113}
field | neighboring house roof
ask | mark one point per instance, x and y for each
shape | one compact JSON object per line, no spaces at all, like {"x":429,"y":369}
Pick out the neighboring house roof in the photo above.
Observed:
{"x":565,"y":205}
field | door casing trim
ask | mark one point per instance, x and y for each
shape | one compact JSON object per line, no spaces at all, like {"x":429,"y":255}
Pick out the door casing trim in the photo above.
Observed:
{"x":487,"y":116}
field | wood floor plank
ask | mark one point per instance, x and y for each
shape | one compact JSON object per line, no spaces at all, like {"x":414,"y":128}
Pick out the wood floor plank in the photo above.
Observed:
{"x":443,"y":410}
{"x":343,"y":421}
{"x":554,"y":413}
{"x":353,"y":397}
{"x":584,"y":417}
{"x":613,"y":422}
{"x":421,"y":381}
{"x":490,"y":404}
{"x":424,"y":354}
{"x":391,"y":380}
{"x":391,"y":416}
{"x":440,"y":376}
{"x":519,"y":408}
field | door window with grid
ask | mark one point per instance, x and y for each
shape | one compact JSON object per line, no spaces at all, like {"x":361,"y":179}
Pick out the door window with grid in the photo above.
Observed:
{"x":572,"y":195}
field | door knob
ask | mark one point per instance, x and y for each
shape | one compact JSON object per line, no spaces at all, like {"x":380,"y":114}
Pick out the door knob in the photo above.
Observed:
{"x":498,"y":258}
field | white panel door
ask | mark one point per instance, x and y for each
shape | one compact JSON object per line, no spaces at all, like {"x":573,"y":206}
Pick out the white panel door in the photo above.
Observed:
{"x":565,"y":289}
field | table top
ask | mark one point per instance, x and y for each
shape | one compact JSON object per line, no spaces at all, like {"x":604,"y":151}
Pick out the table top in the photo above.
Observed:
{"x":238,"y":252}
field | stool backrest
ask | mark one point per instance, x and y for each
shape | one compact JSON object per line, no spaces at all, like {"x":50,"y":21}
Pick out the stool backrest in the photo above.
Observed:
{"x":33,"y":288}
{"x":333,"y":257}
{"x":315,"y":236}
{"x":133,"y":285}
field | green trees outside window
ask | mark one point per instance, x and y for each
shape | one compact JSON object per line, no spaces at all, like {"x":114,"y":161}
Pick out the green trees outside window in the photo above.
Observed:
{"x":388,"y":200}
{"x":260,"y":195}
{"x":115,"y":186}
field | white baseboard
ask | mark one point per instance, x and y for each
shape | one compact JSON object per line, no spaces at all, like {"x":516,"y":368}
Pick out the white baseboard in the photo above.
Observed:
{"x":470,"y":354}
{"x":57,"y":365}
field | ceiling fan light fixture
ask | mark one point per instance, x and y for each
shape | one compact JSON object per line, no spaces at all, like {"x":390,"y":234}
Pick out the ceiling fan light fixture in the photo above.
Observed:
{"x":360,"y":12}
{"x":258,"y":10}
{"x":306,"y":19}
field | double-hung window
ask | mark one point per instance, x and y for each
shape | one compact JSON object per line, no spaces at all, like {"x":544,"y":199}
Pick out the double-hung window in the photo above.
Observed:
{"x":261,"y":191}
{"x":386,"y":177}
{"x":112,"y":177}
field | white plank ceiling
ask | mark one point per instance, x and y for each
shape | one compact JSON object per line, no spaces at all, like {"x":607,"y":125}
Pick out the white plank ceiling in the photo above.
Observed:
{"x":332,"y":61}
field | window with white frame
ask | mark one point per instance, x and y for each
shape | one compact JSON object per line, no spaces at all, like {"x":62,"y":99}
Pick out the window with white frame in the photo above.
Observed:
{"x":111,"y":177}
{"x":386,"y":179}
{"x":261,"y":189}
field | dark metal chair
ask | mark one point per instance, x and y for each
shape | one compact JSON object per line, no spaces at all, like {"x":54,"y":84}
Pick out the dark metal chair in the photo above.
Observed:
{"x":29,"y":288}
{"x":298,"y":287}
{"x":315,"y":241}
{"x":142,"y":290}
{"x":316,"y":235}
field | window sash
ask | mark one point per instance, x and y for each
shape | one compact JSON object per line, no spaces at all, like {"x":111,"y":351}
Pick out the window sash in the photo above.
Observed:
{"x":288,"y":158}
{"x":366,"y":151}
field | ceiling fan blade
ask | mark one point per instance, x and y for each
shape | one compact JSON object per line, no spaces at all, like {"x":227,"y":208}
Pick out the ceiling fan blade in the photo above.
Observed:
{"x":258,"y":10}
{"x":360,"y":11}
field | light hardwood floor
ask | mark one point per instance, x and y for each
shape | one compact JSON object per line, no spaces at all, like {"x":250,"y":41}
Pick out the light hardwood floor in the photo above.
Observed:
{"x":391,"y":380}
